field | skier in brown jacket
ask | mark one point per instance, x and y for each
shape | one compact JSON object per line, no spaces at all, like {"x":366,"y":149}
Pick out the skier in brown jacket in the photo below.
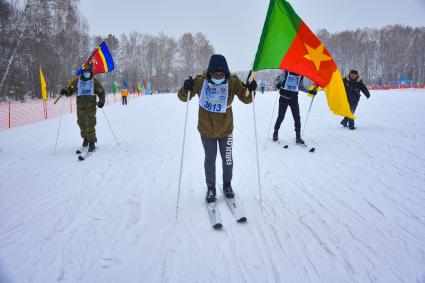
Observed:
{"x":216,"y":90}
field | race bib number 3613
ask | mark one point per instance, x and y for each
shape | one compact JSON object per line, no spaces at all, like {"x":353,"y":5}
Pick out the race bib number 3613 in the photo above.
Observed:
{"x":214,"y":97}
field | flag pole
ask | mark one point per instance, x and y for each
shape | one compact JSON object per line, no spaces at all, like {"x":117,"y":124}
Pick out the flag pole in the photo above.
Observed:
{"x":57,"y":99}
{"x":249,"y":80}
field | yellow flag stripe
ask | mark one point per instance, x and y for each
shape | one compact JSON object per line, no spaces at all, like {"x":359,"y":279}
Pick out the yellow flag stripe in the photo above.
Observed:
{"x":337,"y":102}
{"x":103,"y":59}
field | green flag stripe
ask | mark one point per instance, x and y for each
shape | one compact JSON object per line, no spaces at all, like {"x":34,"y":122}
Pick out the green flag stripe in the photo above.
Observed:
{"x":280,"y":28}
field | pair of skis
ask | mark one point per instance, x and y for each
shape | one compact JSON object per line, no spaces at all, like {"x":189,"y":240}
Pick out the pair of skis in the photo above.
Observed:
{"x":303,"y":145}
{"x":83,"y":153}
{"x":214,"y":214}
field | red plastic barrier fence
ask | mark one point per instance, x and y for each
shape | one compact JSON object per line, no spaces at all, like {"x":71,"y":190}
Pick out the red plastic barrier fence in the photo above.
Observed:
{"x":376,"y":87}
{"x":16,"y":113}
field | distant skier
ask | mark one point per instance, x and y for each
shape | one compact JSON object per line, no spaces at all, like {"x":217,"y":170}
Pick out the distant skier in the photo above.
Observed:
{"x":87,"y":87}
{"x":216,"y":90}
{"x":353,"y":85}
{"x":262,"y":86}
{"x":124,"y":95}
{"x":289,"y":84}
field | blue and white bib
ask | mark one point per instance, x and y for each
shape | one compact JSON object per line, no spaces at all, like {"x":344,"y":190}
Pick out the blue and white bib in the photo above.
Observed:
{"x":85,"y":88}
{"x":292,"y":82}
{"x":214,"y":97}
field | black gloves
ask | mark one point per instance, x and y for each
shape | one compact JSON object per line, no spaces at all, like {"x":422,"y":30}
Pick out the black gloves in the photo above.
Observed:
{"x":278,"y":85}
{"x":313,"y":91}
{"x":189,"y":84}
{"x":65,"y":92}
{"x":368,"y":96}
{"x":251,"y":86}
{"x":101,"y":103}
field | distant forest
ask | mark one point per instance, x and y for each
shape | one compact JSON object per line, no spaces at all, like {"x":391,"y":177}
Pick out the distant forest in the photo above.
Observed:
{"x":53,"y":35}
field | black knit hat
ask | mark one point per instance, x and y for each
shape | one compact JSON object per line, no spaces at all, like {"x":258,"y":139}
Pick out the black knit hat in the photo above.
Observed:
{"x":218,"y":64}
{"x":355,"y":72}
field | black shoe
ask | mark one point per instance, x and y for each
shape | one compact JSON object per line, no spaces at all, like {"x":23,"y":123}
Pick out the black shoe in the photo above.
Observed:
{"x":344,"y":124}
{"x":85,"y":143}
{"x":228,"y":192}
{"x":352,"y":127}
{"x":298,"y":138}
{"x":210,"y":198}
{"x":92,"y":147}
{"x":275,"y":136}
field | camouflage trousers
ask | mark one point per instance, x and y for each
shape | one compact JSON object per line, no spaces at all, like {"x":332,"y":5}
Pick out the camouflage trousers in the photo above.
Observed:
{"x":86,"y":117}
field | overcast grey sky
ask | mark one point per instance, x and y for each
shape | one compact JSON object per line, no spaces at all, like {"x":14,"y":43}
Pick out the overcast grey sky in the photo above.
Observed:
{"x":234,"y":26}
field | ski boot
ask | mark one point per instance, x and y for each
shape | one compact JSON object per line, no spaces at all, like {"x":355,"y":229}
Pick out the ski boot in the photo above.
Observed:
{"x":275,"y":136}
{"x":92,"y":147}
{"x":298,"y":138}
{"x":227,"y":190}
{"x":85,"y":143}
{"x":210,"y":198}
{"x":352,"y":127}
{"x":344,"y":124}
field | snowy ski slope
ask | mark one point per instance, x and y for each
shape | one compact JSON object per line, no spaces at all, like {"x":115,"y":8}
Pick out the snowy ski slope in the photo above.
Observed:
{"x":353,"y":211}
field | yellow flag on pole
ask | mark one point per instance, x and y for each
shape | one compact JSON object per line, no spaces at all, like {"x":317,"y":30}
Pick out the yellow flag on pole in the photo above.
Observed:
{"x":43,"y":86}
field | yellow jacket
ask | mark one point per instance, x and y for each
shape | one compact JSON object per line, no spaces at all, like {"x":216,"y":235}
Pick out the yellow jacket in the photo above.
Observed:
{"x":124,"y":92}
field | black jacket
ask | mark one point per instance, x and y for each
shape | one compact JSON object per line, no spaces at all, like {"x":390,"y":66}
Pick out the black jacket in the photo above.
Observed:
{"x":353,"y":88}
{"x":280,"y":82}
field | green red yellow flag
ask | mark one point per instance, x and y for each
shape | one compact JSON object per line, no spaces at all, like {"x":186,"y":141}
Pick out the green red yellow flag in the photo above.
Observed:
{"x":43,"y":86}
{"x":287,"y":43}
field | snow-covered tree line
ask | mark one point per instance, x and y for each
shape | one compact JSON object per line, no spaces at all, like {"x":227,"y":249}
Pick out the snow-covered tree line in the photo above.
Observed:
{"x":50,"y":34}
{"x":53,"y":35}
{"x":381,"y":55}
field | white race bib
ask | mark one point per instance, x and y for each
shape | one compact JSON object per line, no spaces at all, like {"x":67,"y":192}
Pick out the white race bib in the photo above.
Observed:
{"x":214,"y":97}
{"x":85,"y":88}
{"x":292,"y":83}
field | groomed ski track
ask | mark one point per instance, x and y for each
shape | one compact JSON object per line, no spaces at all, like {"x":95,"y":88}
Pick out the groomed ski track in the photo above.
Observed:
{"x":353,"y":211}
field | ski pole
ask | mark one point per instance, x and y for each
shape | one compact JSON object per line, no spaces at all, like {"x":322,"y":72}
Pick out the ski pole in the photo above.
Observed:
{"x":271,"y":117}
{"x":306,"y":118}
{"x":182,"y":155}
{"x":106,"y":118}
{"x":59,"y":126}
{"x":249,"y":80}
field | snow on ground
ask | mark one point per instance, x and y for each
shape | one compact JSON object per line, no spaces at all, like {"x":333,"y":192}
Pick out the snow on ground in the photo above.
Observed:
{"x":353,"y":211}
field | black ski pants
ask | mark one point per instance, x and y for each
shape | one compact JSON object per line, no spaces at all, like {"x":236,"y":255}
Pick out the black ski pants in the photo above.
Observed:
{"x":295,"y":109}
{"x":210,"y":148}
{"x":353,"y":105}
{"x":124,"y":100}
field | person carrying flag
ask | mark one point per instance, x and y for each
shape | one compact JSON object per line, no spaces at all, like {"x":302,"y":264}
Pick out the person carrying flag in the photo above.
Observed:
{"x":87,"y":87}
{"x":289,"y":84}
{"x":216,"y":90}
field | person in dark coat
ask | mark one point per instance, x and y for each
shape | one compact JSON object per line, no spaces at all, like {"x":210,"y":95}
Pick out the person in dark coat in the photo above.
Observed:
{"x":353,"y":85}
{"x":289,"y":84}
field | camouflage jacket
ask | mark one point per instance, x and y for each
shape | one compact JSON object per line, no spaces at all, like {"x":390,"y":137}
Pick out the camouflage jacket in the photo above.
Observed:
{"x":86,"y":101}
